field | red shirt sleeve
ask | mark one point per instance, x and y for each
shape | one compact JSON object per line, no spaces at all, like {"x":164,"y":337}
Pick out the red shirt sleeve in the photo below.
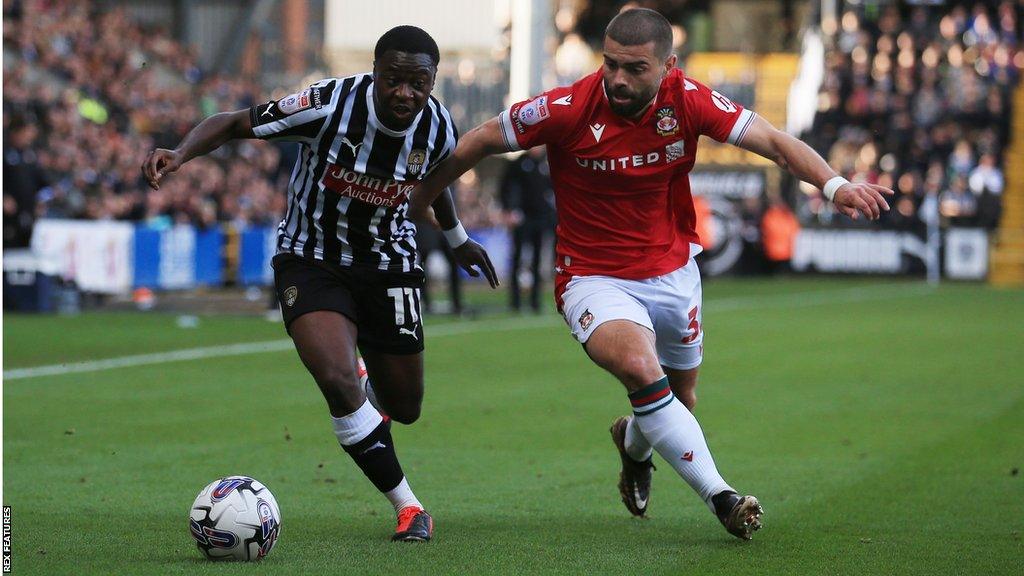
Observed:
{"x":715,"y":115}
{"x":544,"y":119}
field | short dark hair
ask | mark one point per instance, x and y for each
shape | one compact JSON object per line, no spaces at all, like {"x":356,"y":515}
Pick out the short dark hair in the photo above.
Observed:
{"x":407,"y":39}
{"x":640,"y":26}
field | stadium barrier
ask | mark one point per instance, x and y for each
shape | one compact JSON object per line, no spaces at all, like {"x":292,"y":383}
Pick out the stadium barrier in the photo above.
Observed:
{"x":965,"y":252}
{"x":178,"y":257}
{"x":116,"y":257}
{"x":96,"y":256}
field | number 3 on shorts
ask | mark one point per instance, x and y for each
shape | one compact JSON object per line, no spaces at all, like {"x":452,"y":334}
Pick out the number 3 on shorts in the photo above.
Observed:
{"x":694,"y":325}
{"x":403,"y":297}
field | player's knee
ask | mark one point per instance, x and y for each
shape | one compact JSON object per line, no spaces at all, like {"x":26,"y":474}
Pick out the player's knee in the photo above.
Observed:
{"x":339,"y":383}
{"x":405,"y":413}
{"x":637,"y":370}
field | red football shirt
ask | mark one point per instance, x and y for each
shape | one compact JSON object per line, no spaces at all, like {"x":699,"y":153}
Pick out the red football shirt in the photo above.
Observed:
{"x":622,"y":187}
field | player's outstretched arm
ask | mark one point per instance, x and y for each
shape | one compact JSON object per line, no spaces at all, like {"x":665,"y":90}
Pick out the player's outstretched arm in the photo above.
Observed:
{"x":480,"y":142}
{"x":803,"y":162}
{"x":206,"y":137}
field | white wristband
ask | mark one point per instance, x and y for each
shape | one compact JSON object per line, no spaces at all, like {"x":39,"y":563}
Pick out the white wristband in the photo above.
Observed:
{"x":456,"y":236}
{"x":830,"y":187}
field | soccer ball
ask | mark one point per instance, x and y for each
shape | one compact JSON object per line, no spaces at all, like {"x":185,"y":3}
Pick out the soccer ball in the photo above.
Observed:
{"x":235,"y":518}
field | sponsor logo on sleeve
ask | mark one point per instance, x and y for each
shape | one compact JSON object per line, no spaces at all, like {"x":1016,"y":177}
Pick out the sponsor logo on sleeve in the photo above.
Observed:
{"x":722,"y":103}
{"x":534,"y":111}
{"x":564,"y":100}
{"x":666,"y":122}
{"x":296,"y":102}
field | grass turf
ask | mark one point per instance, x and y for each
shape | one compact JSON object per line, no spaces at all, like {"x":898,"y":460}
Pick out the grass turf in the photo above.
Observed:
{"x":882,"y":426}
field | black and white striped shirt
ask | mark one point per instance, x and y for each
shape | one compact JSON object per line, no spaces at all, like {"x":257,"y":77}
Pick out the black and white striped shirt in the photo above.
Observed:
{"x":347,"y":199}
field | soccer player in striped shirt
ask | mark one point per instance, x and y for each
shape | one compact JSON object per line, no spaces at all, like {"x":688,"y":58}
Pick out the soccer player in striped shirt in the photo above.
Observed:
{"x":621,"y":143}
{"x":346,"y":269}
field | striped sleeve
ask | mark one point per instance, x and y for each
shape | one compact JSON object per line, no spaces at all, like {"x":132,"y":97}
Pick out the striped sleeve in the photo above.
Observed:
{"x":297,"y":117}
{"x":447,"y":138}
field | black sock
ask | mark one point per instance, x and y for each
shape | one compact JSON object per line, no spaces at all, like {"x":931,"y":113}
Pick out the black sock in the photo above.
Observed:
{"x":375,"y":456}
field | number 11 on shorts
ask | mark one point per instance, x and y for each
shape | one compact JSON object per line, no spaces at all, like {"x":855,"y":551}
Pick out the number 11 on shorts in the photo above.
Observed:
{"x":403,"y":297}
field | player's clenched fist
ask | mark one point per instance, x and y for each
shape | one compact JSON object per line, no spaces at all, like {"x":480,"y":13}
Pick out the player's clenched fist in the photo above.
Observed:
{"x":159,"y":162}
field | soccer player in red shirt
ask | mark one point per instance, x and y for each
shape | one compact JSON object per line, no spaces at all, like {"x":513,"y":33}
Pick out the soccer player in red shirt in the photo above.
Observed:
{"x":621,"y":143}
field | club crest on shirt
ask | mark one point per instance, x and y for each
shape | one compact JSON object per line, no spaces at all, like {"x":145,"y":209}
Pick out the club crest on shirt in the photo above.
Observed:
{"x":667,"y":124}
{"x":416,"y":160}
{"x":290,"y":295}
{"x":674,"y":151}
{"x":586,"y":319}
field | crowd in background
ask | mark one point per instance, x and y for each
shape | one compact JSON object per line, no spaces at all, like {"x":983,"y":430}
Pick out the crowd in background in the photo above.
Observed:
{"x":86,"y":93}
{"x":918,"y":99}
{"x":915,"y":98}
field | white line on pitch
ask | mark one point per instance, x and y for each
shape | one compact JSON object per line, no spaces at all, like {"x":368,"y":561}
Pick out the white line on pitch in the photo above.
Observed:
{"x":246,"y":348}
{"x":793,"y":300}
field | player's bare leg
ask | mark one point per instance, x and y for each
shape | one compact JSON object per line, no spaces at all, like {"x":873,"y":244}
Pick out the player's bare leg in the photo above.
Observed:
{"x":397,"y":381}
{"x":684,"y":385}
{"x":326,"y":343}
{"x":627,"y":351}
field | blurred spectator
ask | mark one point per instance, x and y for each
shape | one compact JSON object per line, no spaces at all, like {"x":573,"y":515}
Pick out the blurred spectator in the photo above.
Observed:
{"x":986,"y":177}
{"x":779,"y":228}
{"x":919,"y":96}
{"x":957,"y":203}
{"x":23,"y":180}
{"x":528,"y":200}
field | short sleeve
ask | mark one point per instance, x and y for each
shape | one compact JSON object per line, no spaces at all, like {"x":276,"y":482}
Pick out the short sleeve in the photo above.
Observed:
{"x":714,"y":114}
{"x":541,"y":120}
{"x":296,"y":117}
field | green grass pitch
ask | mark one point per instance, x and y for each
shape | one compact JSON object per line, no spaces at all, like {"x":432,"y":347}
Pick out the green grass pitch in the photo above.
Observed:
{"x":880,"y":423}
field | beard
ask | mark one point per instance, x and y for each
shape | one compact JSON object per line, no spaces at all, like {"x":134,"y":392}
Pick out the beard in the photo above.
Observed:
{"x":632,"y":107}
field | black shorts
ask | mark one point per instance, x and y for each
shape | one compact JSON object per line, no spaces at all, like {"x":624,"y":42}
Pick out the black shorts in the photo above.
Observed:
{"x":385,"y":306}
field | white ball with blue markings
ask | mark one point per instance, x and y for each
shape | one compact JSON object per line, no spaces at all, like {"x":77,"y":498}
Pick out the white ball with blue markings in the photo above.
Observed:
{"x":235,"y":518}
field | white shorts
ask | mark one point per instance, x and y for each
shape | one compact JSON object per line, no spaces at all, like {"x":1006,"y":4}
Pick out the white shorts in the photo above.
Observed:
{"x":668,"y":305}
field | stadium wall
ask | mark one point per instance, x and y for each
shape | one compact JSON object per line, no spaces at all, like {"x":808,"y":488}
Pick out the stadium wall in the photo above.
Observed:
{"x":117,"y":257}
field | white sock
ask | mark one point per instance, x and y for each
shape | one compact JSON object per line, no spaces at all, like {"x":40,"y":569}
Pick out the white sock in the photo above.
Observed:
{"x":402,"y":497}
{"x":352,"y":428}
{"x":637,"y":447}
{"x":674,"y":432}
